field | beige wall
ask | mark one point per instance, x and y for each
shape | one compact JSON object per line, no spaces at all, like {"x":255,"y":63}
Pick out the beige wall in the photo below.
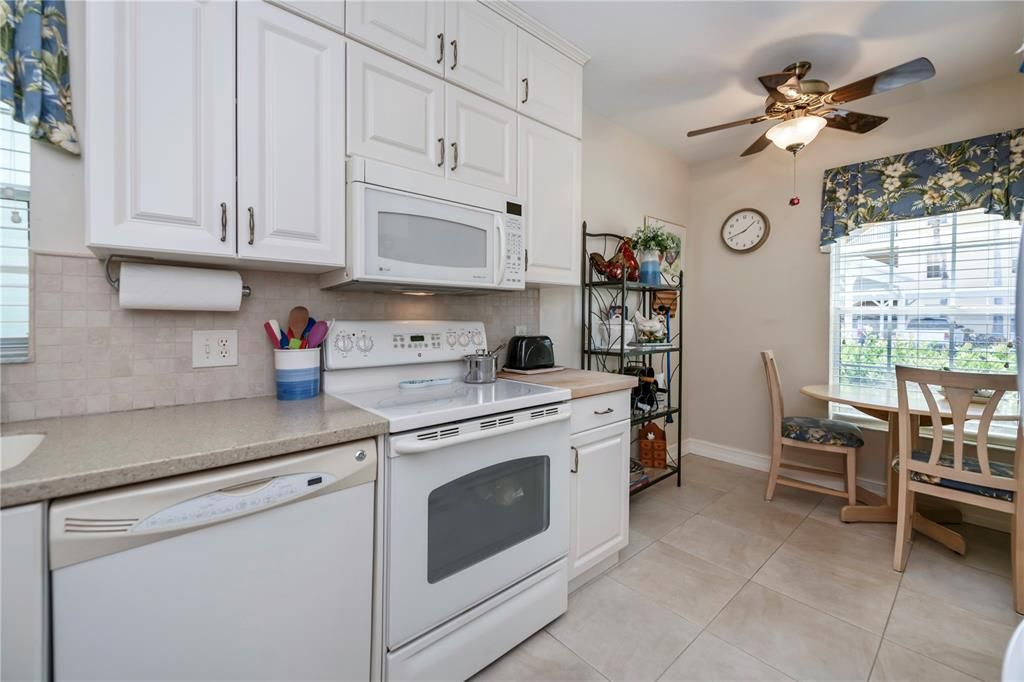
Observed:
{"x":777,"y":297}
{"x":624,"y":178}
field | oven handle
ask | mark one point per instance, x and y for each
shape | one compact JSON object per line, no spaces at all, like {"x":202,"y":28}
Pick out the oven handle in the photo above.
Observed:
{"x":501,"y":250}
{"x":406,"y":445}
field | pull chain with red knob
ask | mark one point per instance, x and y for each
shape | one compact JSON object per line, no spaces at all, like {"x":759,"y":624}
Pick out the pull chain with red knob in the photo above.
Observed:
{"x":794,"y":200}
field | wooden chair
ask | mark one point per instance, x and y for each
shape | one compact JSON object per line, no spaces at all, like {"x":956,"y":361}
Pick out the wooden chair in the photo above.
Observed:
{"x":809,"y":433}
{"x":953,"y":475}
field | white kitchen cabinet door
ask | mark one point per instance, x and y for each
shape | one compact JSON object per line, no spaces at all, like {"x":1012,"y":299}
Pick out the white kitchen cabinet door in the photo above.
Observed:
{"x":291,"y":138}
{"x":328,"y":12}
{"x":481,"y":138}
{"x":24,"y":590}
{"x":395,"y":112}
{"x":481,"y":53}
{"x":550,"y":85}
{"x":550,"y":186}
{"x":160,"y":126}
{"x":599,"y":495}
{"x":412,"y":30}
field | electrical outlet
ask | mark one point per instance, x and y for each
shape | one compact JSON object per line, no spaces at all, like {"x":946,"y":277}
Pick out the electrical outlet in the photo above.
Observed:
{"x":520,"y":330}
{"x":215,"y":348}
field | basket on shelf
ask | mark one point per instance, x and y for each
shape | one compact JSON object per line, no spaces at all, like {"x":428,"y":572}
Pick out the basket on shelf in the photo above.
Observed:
{"x":653,"y":446}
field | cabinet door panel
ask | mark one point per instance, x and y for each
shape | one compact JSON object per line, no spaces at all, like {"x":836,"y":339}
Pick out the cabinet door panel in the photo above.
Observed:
{"x":599,"y":497}
{"x":329,"y":12}
{"x":411,"y":30}
{"x":291,"y":142}
{"x":485,"y":135}
{"x":396,"y":112}
{"x":550,"y":187}
{"x":555,"y":85}
{"x":483,"y":57}
{"x":161,"y":130}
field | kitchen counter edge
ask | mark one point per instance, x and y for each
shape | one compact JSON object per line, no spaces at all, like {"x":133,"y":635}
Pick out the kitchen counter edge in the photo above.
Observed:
{"x":582,"y":383}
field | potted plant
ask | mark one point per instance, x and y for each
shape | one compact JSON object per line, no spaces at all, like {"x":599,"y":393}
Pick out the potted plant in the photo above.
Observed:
{"x":650,"y":244}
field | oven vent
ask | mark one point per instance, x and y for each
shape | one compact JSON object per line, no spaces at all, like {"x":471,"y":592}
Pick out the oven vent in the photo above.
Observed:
{"x":540,"y":414}
{"x":505,"y":421}
{"x":78,"y":525}
{"x":488,"y":424}
{"x":450,"y":432}
{"x":439,"y":434}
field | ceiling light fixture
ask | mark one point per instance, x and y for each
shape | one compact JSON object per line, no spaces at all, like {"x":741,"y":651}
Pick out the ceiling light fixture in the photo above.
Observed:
{"x":796,"y":133}
{"x":417,"y":293}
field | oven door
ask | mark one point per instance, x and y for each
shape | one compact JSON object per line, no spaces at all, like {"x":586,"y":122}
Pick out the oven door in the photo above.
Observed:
{"x":473,"y":513}
{"x":421,"y":240}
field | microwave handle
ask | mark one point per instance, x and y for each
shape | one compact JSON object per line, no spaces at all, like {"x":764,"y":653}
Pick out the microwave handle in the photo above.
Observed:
{"x":499,"y":223}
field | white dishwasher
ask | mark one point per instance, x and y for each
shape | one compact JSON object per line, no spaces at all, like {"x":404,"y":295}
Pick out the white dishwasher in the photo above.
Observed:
{"x":258,"y":571}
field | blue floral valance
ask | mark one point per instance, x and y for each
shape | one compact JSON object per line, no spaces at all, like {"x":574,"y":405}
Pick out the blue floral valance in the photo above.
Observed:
{"x":985,"y":172}
{"x":35,"y":80}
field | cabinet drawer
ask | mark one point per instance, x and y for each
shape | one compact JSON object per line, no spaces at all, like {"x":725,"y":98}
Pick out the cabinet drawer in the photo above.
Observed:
{"x":599,"y":410}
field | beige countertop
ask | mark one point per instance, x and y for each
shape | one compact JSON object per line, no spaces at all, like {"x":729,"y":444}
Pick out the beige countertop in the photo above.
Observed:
{"x":580,"y":382}
{"x":94,"y":452}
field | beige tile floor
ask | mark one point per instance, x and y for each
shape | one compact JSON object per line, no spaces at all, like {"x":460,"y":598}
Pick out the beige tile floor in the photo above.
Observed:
{"x":717,"y":584}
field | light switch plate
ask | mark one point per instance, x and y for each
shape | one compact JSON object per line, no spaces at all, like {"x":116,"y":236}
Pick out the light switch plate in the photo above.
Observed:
{"x":218,"y":348}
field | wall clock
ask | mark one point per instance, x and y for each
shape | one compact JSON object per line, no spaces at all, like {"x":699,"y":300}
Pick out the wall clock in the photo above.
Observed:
{"x":745,"y":230}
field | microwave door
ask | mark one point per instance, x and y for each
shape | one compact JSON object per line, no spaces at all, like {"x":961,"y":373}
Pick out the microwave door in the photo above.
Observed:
{"x":419,"y":240}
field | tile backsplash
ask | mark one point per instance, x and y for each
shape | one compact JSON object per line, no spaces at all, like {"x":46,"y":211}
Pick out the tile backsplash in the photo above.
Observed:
{"x":90,"y":356}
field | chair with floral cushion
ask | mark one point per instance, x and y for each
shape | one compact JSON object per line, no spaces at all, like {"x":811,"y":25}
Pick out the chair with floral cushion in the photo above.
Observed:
{"x":809,"y":433}
{"x":957,"y":476}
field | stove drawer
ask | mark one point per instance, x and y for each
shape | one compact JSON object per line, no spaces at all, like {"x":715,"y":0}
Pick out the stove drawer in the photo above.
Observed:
{"x":598,"y":410}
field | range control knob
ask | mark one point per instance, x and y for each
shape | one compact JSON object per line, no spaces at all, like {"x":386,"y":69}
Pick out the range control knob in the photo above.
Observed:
{"x":343,"y":342}
{"x":478,"y":339}
{"x":463,"y":339}
{"x":452,"y":338}
{"x":365,"y":343}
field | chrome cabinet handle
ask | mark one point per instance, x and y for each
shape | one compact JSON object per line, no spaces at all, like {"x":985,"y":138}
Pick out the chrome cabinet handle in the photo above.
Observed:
{"x":455,"y":155}
{"x":575,"y":461}
{"x":526,"y":95}
{"x":607,"y":411}
{"x":440,"y":38}
{"x":223,"y":222}
{"x":440,"y":141}
{"x":252,"y":227}
{"x":455,"y":54}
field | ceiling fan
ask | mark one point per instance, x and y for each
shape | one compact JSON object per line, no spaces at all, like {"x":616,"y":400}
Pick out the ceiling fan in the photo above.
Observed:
{"x":803,"y":106}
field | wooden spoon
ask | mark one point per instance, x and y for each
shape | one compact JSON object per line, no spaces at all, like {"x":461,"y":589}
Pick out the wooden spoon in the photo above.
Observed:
{"x":297,"y":320}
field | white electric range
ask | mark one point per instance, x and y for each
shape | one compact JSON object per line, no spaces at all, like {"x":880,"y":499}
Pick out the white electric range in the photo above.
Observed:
{"x":474,"y":516}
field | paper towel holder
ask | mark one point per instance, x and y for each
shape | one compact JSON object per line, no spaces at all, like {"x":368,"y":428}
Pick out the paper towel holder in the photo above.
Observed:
{"x":115,"y":282}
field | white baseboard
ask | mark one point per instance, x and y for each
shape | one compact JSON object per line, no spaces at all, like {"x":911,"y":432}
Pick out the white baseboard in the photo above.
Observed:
{"x":761,"y":461}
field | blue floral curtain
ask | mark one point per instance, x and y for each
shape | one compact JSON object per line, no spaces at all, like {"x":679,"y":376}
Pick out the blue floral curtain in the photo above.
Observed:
{"x":36,"y":79}
{"x":985,"y":172}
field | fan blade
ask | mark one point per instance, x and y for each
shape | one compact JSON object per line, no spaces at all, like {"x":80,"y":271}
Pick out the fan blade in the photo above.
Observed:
{"x":734,"y":124}
{"x":851,"y":121}
{"x":919,"y":69}
{"x":759,"y":145}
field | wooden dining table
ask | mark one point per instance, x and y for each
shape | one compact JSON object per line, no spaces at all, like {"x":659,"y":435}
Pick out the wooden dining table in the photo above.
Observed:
{"x":883,"y":403}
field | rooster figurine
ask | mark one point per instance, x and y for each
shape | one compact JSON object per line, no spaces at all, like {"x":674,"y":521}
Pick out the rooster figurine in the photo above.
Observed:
{"x":650,"y":329}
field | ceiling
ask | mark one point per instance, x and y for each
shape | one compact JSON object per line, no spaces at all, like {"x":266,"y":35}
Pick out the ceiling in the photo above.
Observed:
{"x":662,"y":68}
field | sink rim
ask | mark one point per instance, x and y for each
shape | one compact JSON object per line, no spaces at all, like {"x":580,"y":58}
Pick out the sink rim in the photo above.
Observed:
{"x":16,"y":448}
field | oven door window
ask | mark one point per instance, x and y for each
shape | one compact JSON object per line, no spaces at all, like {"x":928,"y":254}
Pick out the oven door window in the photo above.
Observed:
{"x":484,"y":513}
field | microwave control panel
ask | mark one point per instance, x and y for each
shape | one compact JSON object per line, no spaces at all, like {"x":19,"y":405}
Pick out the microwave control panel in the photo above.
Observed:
{"x":376,"y":343}
{"x":515,"y":248}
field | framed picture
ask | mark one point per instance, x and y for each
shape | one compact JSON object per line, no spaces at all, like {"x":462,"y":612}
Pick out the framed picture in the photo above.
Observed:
{"x":673,"y":264}
{"x":618,"y":311}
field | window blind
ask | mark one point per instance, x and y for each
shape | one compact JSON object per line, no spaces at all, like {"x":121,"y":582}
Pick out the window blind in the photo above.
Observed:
{"x":932,"y":292}
{"x":15,"y":169}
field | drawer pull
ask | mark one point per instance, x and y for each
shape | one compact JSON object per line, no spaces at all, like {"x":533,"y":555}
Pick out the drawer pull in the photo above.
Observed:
{"x":606,"y":411}
{"x":575,"y":461}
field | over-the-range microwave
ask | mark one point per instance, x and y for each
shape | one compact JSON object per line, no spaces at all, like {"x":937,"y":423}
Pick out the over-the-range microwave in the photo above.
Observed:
{"x":409,"y":231}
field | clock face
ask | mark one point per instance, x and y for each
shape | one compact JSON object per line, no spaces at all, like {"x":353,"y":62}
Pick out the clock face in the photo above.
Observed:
{"x":745,"y":230}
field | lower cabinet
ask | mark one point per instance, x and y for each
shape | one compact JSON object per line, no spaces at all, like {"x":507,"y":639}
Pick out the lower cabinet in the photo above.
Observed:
{"x":24,"y":626}
{"x":599,"y":495}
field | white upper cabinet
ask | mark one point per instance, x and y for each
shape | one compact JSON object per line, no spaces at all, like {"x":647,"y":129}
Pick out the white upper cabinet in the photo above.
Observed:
{"x":410,"y":30}
{"x":395,"y":112}
{"x":481,"y":138}
{"x":160,"y":126}
{"x":550,"y":184}
{"x":328,"y":12}
{"x":291,"y":138}
{"x":481,"y":50}
{"x":550,"y":85}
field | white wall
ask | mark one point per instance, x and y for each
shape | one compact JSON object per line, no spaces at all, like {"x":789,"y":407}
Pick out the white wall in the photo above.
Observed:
{"x":777,"y":297}
{"x":624,"y":178}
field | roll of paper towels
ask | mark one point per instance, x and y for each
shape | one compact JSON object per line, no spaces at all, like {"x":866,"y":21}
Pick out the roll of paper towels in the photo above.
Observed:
{"x":167,"y":287}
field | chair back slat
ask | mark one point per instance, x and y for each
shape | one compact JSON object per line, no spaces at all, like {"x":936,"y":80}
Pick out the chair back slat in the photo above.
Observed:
{"x":771,"y":371}
{"x":958,"y":389}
